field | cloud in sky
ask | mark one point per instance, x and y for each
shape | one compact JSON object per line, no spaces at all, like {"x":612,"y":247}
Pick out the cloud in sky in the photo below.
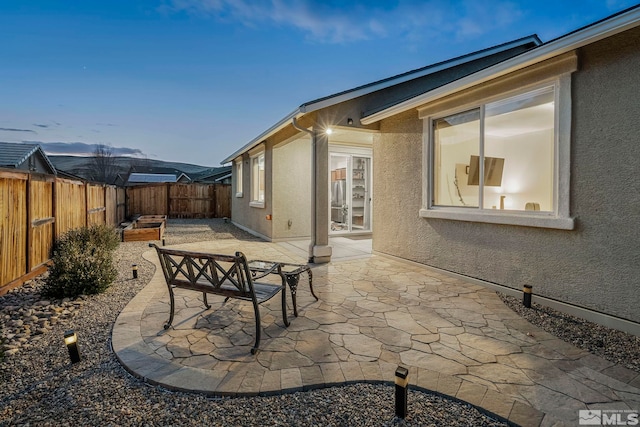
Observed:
{"x":83,"y":149}
{"x":336,"y":22}
{"x":17,"y":130}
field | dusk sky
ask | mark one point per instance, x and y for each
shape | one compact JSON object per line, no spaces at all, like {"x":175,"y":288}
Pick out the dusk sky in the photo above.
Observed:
{"x":194,"y":80}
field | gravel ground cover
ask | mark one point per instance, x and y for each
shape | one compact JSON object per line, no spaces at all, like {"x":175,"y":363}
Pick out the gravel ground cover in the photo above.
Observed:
{"x":610,"y":344}
{"x":39,"y":386}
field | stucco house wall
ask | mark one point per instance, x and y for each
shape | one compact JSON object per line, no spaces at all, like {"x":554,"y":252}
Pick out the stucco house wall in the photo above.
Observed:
{"x":248,"y":217}
{"x":596,"y":265}
{"x":292,"y":190}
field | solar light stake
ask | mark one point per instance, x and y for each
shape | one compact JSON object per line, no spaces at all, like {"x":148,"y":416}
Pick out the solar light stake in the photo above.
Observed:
{"x":402,"y":386}
{"x":71,"y":340}
{"x":134,"y":269}
{"x":526,"y":296}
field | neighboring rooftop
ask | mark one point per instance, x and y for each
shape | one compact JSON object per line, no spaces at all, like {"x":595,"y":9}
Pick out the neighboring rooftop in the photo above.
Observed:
{"x":13,"y":155}
{"x":152,"y":177}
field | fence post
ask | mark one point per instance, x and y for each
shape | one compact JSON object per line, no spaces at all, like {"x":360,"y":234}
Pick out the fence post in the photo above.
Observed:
{"x":214,"y":201}
{"x":27,"y":255}
{"x":168,"y":199}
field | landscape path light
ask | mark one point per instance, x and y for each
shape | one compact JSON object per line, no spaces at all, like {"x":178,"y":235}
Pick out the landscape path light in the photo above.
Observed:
{"x":402,"y":386}
{"x":71,"y":340}
{"x":526,"y":295}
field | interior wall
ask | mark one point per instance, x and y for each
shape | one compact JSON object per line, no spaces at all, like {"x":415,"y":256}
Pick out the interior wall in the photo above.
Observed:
{"x":292,"y":190}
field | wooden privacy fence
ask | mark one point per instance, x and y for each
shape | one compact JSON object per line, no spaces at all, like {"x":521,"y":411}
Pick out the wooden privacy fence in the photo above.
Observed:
{"x":180,"y":200}
{"x":36,"y":209}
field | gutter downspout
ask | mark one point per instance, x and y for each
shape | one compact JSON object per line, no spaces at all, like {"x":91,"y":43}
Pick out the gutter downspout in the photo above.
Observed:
{"x":313,"y":185}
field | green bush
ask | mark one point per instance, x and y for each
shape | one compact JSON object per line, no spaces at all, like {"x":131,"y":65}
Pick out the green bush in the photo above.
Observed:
{"x":82,"y":262}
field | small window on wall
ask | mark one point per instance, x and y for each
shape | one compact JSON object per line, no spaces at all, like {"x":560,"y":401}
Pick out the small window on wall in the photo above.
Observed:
{"x":239,"y":177}
{"x":257,"y":180}
{"x":498,"y":156}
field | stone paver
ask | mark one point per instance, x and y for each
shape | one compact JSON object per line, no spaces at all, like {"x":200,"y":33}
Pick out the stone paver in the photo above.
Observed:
{"x":374,"y":313}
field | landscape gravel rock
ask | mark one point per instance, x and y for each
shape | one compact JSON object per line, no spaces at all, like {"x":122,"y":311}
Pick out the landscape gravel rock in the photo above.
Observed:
{"x":610,"y":344}
{"x":40,"y":386}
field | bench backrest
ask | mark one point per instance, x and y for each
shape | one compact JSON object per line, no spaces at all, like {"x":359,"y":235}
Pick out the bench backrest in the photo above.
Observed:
{"x":215,"y":273}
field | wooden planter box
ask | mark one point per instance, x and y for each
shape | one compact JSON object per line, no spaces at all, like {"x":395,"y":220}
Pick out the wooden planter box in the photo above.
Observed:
{"x":146,"y":227}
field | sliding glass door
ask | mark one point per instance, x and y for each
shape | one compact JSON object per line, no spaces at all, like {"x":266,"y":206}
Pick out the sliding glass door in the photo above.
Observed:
{"x":350,"y":193}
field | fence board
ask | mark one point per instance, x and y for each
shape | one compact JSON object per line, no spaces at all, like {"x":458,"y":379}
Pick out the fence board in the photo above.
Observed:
{"x":121,"y":206}
{"x":223,"y":200}
{"x":96,"y":209}
{"x":180,"y":200}
{"x":70,"y":205}
{"x":147,"y":200}
{"x":191,"y":201}
{"x":13,"y":230}
{"x":36,"y":209}
{"x":42,"y":221}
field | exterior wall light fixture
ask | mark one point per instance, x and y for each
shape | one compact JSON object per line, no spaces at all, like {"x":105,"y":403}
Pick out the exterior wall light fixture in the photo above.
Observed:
{"x":329,"y":131}
{"x":71,"y":340}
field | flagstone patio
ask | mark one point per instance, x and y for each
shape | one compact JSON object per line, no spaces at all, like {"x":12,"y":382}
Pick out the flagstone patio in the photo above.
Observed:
{"x":374,"y":313}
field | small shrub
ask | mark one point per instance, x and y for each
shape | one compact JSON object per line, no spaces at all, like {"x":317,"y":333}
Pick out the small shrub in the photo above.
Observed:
{"x":82,"y":262}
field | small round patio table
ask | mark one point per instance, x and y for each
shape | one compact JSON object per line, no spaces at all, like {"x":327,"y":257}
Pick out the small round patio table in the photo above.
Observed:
{"x":291,"y":274}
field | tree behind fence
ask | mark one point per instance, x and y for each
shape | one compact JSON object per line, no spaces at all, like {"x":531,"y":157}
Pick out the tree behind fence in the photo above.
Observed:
{"x":37,"y":209}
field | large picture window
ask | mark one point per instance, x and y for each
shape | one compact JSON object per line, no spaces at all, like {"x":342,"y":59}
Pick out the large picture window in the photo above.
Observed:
{"x":257,"y":180}
{"x":497,"y":156}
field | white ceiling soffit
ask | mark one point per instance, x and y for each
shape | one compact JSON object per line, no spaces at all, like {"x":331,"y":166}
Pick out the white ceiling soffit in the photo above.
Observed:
{"x":572,"y":41}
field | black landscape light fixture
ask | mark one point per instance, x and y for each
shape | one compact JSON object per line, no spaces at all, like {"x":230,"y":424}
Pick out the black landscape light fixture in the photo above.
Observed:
{"x":526,"y":295}
{"x":71,"y":340}
{"x":349,"y":121}
{"x":402,"y":387}
{"x":134,"y":270}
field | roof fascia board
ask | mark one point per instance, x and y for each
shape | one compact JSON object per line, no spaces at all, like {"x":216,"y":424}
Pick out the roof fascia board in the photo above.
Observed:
{"x":47,"y":160}
{"x":264,"y":135}
{"x":556,"y":47}
{"x":327,"y":102}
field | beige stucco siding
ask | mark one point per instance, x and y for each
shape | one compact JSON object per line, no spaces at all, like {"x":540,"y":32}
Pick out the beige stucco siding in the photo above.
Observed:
{"x":292,"y":189}
{"x":245,"y":215}
{"x":597,"y":265}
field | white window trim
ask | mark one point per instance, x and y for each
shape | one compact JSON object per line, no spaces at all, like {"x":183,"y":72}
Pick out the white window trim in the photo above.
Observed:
{"x":239,"y":177}
{"x":254,"y":155}
{"x":558,"y":219}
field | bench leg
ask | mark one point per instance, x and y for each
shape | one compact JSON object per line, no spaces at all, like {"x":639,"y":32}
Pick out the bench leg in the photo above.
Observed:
{"x":173,"y":304}
{"x":311,"y":284}
{"x":256,"y":310}
{"x":292,"y":281}
{"x":206,"y":303}
{"x":284,"y":306}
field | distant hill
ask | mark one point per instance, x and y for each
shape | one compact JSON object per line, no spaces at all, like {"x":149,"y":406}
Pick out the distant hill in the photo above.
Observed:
{"x":84,"y":167}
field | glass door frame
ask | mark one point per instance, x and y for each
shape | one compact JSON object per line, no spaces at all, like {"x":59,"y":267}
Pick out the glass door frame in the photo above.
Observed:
{"x":350,"y":153}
